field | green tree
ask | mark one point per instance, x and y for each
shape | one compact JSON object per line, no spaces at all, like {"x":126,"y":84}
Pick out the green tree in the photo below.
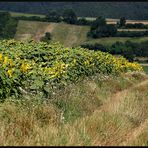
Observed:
{"x":7,"y":25}
{"x":100,"y":21}
{"x":53,"y":16}
{"x":4,"y":17}
{"x":103,"y":31}
{"x":69,"y":16}
{"x":122,"y":22}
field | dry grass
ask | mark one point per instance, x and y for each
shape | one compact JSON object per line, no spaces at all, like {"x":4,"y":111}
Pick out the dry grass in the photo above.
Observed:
{"x":68,"y":35}
{"x":80,"y":115}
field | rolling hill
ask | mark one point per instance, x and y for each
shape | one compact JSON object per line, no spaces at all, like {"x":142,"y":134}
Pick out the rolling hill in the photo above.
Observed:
{"x":131,"y":10}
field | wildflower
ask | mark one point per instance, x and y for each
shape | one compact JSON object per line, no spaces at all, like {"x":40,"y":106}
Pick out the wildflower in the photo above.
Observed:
{"x":10,"y":62}
{"x":74,"y":61}
{"x":9,"y":72}
{"x":1,"y":57}
{"x":5,"y":60}
{"x":24,"y":67}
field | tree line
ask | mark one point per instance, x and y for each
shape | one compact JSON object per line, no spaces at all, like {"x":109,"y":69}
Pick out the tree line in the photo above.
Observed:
{"x":130,"y":50}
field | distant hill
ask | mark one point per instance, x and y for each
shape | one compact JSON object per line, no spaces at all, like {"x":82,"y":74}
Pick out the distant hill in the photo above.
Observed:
{"x":131,"y":10}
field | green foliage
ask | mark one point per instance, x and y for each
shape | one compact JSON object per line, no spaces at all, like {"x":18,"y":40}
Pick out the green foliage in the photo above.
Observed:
{"x":129,"y":50}
{"x":102,"y":31}
{"x":122,"y":22}
{"x":53,"y":16}
{"x":100,"y":21}
{"x":40,"y":67}
{"x":47,"y":37}
{"x":7,"y":25}
{"x":136,"y":26}
{"x":69,"y":16}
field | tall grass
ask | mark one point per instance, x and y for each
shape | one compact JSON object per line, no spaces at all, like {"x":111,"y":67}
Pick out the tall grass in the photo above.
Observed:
{"x":79,"y":114}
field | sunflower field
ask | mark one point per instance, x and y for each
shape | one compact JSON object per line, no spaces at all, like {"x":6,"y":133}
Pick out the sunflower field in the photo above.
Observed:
{"x":41,"y":67}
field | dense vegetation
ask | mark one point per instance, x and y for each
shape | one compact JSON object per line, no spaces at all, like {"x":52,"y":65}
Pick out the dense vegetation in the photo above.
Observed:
{"x":39,"y":67}
{"x":7,"y":25}
{"x":99,"y":28}
{"x":130,"y":10}
{"x":128,"y":49}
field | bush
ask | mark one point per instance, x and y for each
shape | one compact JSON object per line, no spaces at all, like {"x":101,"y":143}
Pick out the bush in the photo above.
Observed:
{"x":47,"y":37}
{"x":132,"y":33}
{"x":53,"y":16}
{"x":103,"y":31}
{"x":83,"y":21}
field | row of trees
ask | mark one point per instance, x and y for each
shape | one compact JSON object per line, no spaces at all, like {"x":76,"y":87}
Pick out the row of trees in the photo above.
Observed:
{"x":67,"y":16}
{"x":129,"y":50}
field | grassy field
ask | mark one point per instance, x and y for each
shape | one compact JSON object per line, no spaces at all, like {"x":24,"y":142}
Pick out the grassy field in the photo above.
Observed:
{"x":110,"y":112}
{"x":69,"y":35}
{"x":111,"y":40}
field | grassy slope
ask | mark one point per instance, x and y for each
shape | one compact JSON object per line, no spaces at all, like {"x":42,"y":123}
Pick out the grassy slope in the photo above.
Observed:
{"x":69,"y":35}
{"x":90,"y":112}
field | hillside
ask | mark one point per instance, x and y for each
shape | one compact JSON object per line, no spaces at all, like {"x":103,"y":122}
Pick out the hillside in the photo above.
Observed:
{"x":69,"y":35}
{"x":131,"y":10}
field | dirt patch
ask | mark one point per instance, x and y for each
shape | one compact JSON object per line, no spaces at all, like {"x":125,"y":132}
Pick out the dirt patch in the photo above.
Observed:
{"x":41,"y":32}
